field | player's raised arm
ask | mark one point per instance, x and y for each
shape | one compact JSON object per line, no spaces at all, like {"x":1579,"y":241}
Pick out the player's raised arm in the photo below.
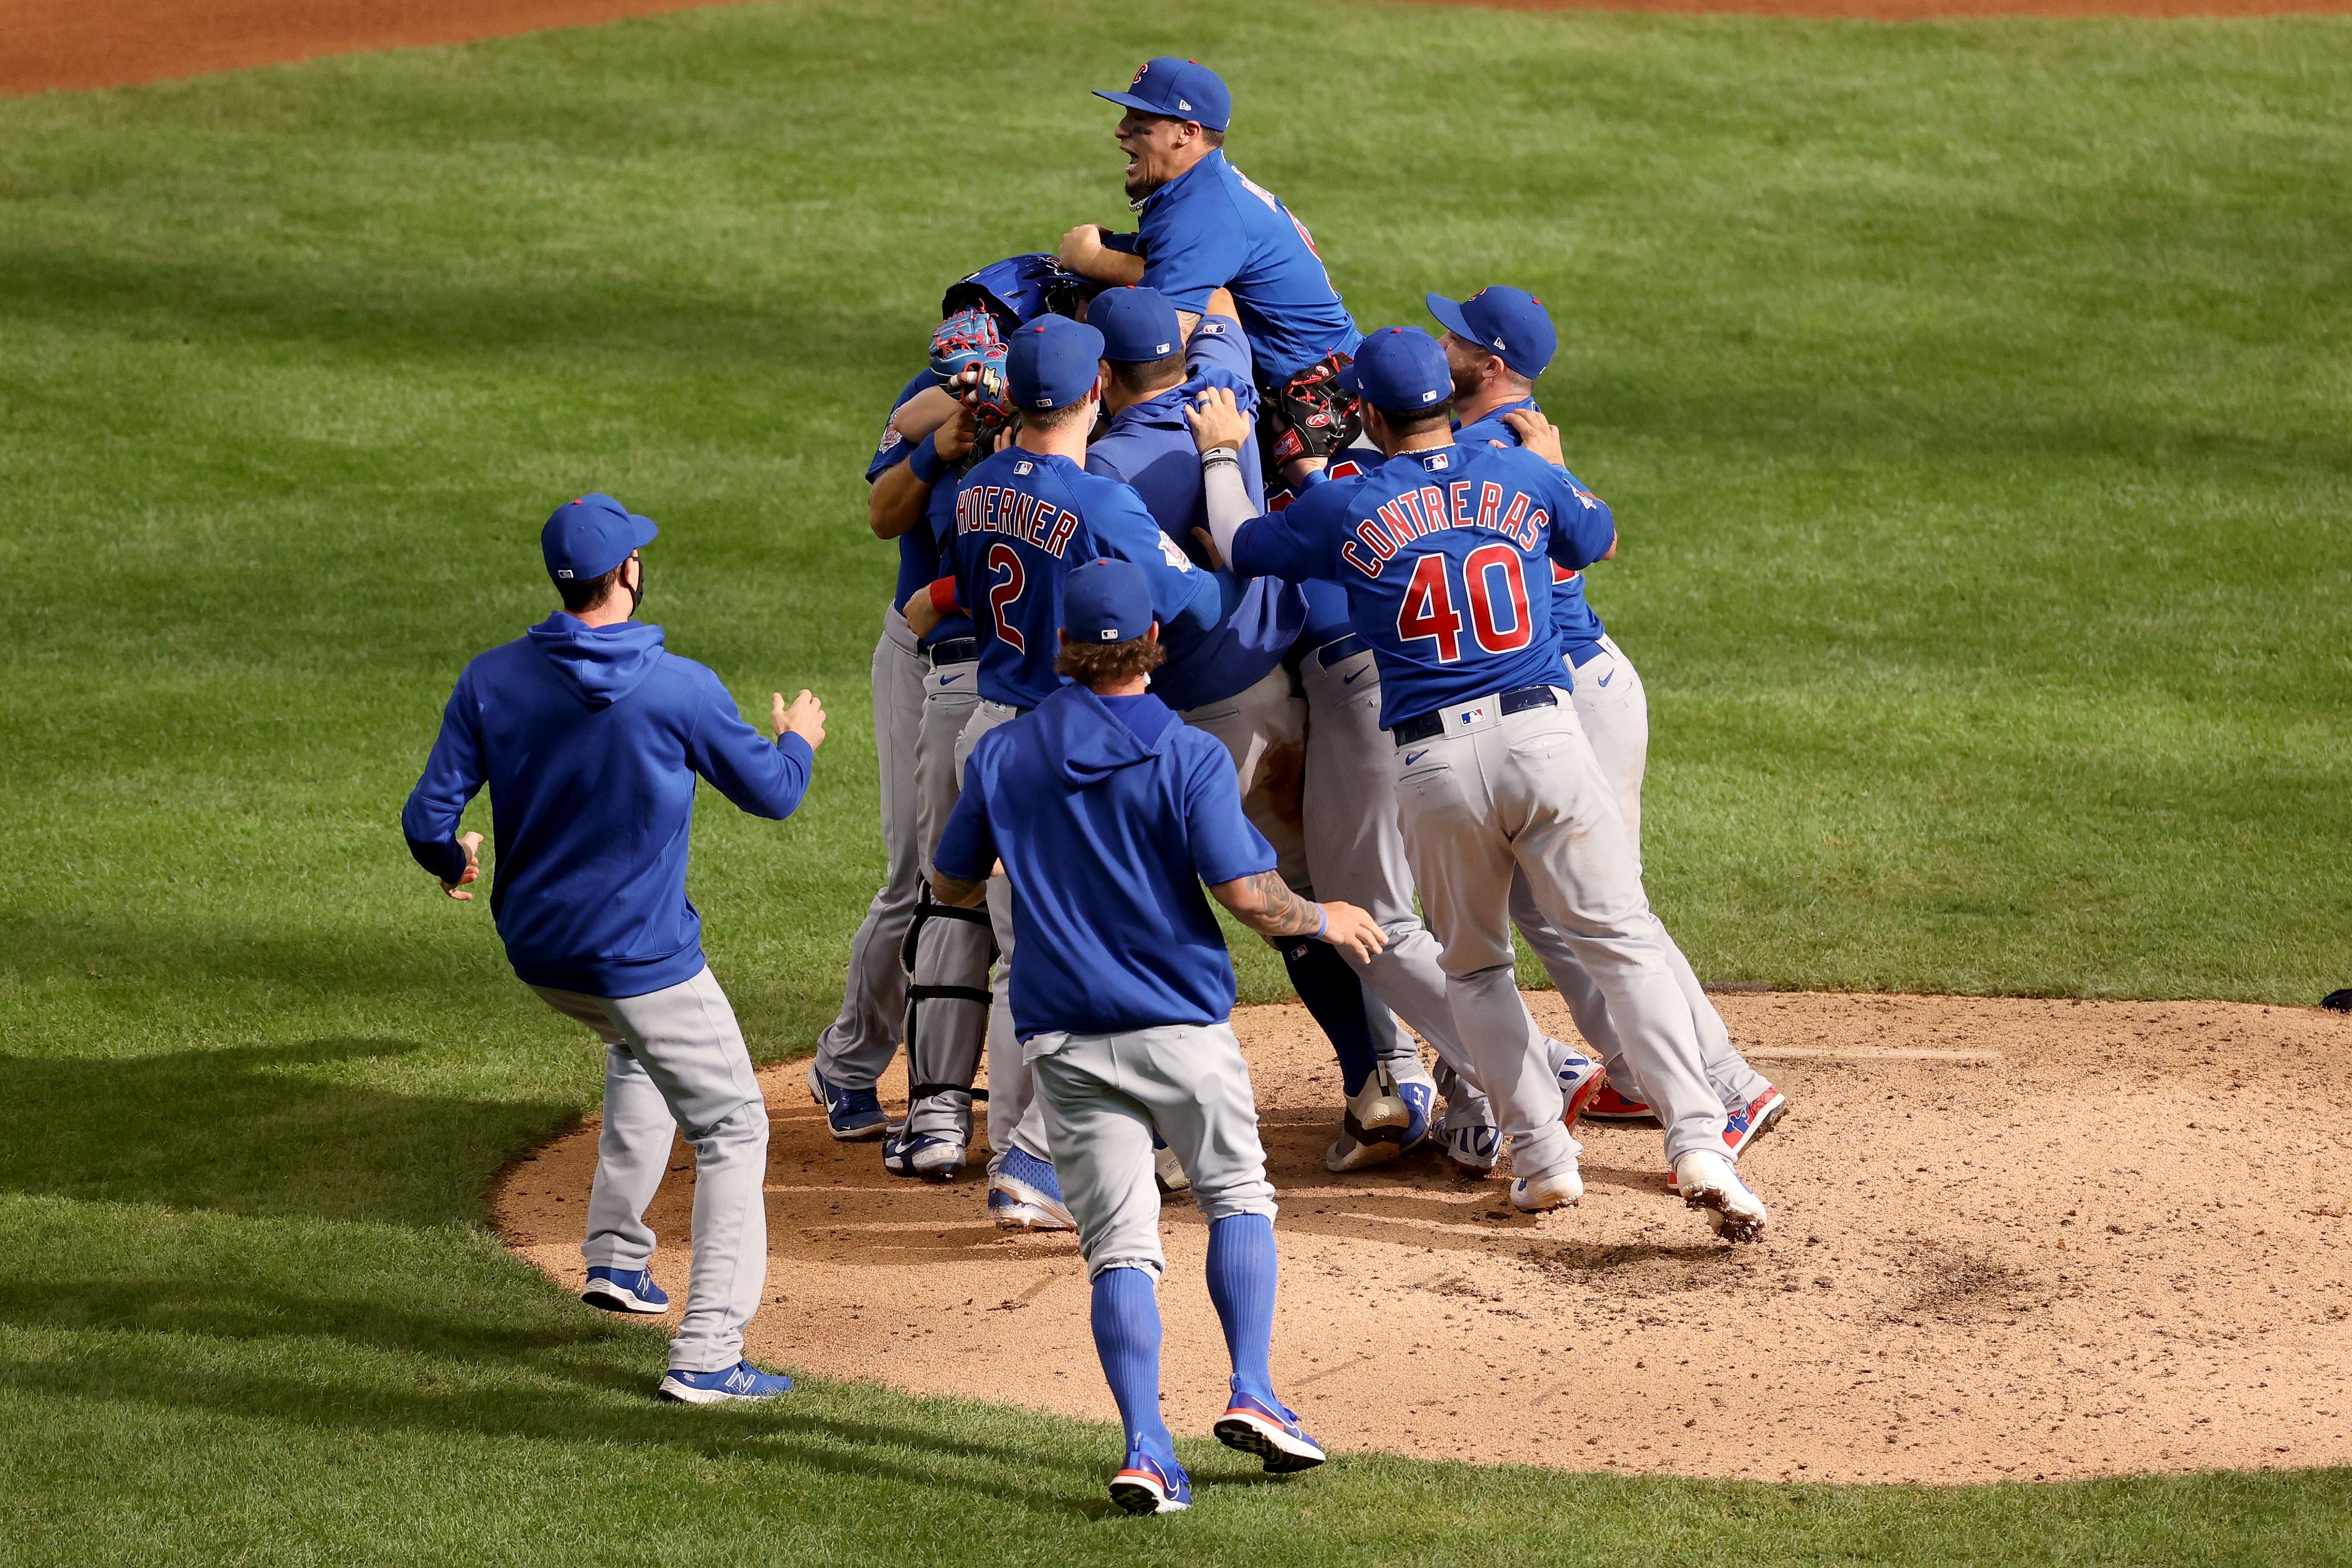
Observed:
{"x":1265,"y":904}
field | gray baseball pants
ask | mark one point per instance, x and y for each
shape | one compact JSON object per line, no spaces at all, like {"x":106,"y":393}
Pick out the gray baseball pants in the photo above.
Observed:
{"x":1012,"y":1114}
{"x":1614,"y":711}
{"x":675,"y":1061}
{"x":1356,"y":854}
{"x":1495,"y":795}
{"x":856,"y":1048}
{"x":1101,"y":1095}
{"x":950,"y":947}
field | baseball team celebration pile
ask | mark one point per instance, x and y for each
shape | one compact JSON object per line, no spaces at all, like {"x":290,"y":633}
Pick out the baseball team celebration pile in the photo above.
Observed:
{"x":1200,"y":585}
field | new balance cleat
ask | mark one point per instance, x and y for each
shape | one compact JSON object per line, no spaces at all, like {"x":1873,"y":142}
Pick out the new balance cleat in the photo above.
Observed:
{"x":1534,"y":1195}
{"x":1265,"y":1428}
{"x":1372,"y":1129}
{"x":1023,"y":1193}
{"x":924,"y":1155}
{"x":1706,"y":1180}
{"x":1744,"y":1126}
{"x":1581,"y":1081}
{"x":1167,"y":1170}
{"x":729,"y":1385}
{"x":1607,"y":1105}
{"x":1146,"y":1483}
{"x":625,"y":1290}
{"x":852,"y":1115}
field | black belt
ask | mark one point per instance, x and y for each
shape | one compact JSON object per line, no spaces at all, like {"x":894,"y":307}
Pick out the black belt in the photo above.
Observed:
{"x":1517,"y":701}
{"x":955,"y":650}
{"x":1348,"y":646}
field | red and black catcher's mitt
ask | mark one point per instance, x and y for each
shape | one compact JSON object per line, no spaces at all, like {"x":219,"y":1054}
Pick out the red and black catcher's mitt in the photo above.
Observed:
{"x":1308,"y":415}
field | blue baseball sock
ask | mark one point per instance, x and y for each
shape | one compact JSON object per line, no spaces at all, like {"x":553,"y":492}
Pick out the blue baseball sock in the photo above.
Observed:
{"x":1126,"y":1338}
{"x":1241,"y":1285}
{"x":1335,"y":998}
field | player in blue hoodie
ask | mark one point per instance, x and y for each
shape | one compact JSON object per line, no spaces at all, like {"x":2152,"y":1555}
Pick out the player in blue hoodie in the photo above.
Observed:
{"x":1107,"y":814}
{"x":590,"y":735}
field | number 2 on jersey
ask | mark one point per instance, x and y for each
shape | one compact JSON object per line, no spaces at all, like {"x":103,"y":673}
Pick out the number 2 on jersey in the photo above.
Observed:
{"x":1428,"y":612}
{"x":1002,"y":558}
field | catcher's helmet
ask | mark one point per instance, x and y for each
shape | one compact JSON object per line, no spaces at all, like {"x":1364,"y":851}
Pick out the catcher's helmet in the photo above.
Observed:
{"x":1020,"y":289}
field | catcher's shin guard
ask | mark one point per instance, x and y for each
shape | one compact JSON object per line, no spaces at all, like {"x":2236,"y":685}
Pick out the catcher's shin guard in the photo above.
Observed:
{"x":947,"y":954}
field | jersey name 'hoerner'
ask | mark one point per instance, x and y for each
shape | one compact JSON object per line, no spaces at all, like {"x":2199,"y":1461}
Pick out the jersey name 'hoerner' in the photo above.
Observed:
{"x":1000,"y":508}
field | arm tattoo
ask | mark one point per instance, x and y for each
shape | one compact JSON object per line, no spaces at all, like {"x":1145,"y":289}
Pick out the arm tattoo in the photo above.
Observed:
{"x":1265,"y":904}
{"x":956,"y":891}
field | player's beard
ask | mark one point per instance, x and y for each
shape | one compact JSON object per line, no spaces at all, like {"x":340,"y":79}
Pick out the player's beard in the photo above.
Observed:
{"x":1139,"y":187}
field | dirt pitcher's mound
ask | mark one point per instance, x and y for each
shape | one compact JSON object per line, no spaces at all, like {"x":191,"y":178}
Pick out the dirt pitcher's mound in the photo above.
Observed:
{"x":2010,"y":1239}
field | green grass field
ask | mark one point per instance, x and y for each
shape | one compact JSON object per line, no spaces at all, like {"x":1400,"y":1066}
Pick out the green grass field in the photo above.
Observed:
{"x":1974,"y":399}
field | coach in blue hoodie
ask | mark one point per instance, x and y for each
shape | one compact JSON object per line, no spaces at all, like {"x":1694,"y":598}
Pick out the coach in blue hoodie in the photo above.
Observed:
{"x":590,"y":734}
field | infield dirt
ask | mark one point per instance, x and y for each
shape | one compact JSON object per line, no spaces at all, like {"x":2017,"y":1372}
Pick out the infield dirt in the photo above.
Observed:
{"x":2013,"y":1240}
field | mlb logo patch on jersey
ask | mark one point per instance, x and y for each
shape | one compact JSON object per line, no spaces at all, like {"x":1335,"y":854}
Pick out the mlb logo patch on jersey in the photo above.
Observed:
{"x":1437,"y":461}
{"x":1023,"y":467}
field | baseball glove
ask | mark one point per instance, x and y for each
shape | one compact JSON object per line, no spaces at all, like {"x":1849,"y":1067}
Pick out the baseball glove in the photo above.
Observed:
{"x":966,"y":339}
{"x":1309,"y":417}
{"x":2338,"y":1001}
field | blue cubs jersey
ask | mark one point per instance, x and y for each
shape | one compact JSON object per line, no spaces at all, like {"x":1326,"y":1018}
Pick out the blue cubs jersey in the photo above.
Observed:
{"x":1446,"y":555}
{"x":1211,"y":227}
{"x":1023,"y":522}
{"x":919,"y":547}
{"x":1149,"y":446}
{"x":1327,"y":602}
{"x":1580,"y":628}
{"x":1108,"y":816}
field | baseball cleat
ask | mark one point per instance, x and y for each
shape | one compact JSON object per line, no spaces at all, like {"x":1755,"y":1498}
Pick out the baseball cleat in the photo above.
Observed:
{"x":1149,"y":1485}
{"x":1419,"y":1092}
{"x":1581,"y":1081}
{"x":1167,"y":1170}
{"x":729,"y":1385}
{"x":1473,"y":1149}
{"x":1744,"y":1126}
{"x":1372,"y":1130}
{"x":1707,"y":1180}
{"x":625,"y":1290}
{"x":1023,"y":1193}
{"x":1265,"y":1428}
{"x":852,"y":1115}
{"x":1534,"y":1195}
{"x":924,"y":1155}
{"x":1607,"y":1105}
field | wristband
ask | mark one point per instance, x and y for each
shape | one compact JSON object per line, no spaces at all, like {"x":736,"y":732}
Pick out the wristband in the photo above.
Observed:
{"x":1322,"y":921}
{"x":925,"y":462}
{"x":1215,"y":455}
{"x":943,"y":595}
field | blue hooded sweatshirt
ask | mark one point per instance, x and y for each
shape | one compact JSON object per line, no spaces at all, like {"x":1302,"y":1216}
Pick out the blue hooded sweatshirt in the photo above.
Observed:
{"x":590,"y":740}
{"x":1108,"y":815}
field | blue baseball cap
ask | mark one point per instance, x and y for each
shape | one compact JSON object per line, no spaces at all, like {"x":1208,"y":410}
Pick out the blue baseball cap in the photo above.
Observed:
{"x":1052,"y":361}
{"x":1511,"y":323}
{"x":589,"y":537}
{"x":1177,"y":90}
{"x":1137,"y":324}
{"x":1399,"y":368}
{"x":1107,"y":601}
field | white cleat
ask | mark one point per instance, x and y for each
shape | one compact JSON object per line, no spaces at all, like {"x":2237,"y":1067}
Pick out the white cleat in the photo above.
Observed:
{"x":1707,"y":1180}
{"x":1168,"y":1171}
{"x":1375,"y":1126}
{"x":1556,"y":1191}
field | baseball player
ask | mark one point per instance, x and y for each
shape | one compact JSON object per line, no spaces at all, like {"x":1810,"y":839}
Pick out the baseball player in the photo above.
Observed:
{"x":1234,"y":681}
{"x":1204,"y":226}
{"x":1444,"y":551}
{"x":590,"y":734}
{"x":1497,"y":342}
{"x":1107,"y":814}
{"x":1024,"y":519}
{"x":933,"y":437}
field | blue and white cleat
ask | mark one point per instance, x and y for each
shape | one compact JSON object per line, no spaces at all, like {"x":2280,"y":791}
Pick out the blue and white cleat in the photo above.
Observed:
{"x":852,"y":1115}
{"x":729,"y":1385}
{"x":1419,"y":1092}
{"x":1023,"y":1193}
{"x":625,"y":1290}
{"x":924,"y":1155}
{"x":1146,"y":1483}
{"x":1582,"y":1079}
{"x":1264,"y":1427}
